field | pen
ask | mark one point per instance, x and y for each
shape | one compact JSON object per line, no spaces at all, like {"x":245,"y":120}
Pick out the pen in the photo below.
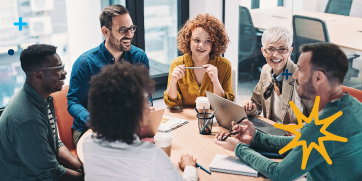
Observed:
{"x":197,"y":110}
{"x":231,"y":129}
{"x":203,"y":129}
{"x":194,"y":67}
{"x":204,"y":169}
{"x":228,"y":135}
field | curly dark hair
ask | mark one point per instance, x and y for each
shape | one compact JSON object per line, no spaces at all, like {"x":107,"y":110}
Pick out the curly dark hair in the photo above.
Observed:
{"x":34,"y":56}
{"x":116,"y":101}
{"x":109,"y":12}
{"x":329,"y":58}
{"x":212,"y":25}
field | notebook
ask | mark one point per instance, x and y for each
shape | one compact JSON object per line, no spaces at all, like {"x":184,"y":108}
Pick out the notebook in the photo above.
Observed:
{"x":231,"y":164}
{"x":169,"y":123}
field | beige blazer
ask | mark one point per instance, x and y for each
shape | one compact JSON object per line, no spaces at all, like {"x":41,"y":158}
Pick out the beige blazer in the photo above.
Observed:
{"x":288,"y":94}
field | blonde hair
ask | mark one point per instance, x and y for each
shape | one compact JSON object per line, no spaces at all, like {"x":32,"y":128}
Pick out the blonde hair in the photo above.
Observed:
{"x":277,"y":34}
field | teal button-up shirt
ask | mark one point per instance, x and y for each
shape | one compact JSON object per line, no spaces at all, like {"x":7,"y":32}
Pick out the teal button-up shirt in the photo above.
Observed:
{"x":28,"y":148}
{"x":346,"y":156}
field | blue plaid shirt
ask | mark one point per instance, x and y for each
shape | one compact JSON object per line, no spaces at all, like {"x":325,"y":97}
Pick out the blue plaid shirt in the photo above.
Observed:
{"x":87,"y":65}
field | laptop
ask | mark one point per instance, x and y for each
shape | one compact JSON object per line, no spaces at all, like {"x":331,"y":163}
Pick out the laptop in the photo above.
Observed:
{"x":228,"y":111}
{"x":150,"y":129}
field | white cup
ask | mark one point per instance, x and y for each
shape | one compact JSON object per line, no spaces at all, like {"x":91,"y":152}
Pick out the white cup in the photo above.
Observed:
{"x":202,"y":102}
{"x":163,"y":140}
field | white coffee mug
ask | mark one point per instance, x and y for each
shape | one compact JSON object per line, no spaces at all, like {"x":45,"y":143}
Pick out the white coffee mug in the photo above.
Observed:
{"x":163,"y":140}
{"x":202,"y":102}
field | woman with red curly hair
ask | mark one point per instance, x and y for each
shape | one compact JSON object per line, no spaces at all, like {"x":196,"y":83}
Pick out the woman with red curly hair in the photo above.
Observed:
{"x":202,"y":40}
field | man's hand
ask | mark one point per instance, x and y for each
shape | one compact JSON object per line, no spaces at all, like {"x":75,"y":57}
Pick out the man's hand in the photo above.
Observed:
{"x":246,"y":132}
{"x":248,"y":105}
{"x":245,"y":135}
{"x":186,"y":160}
{"x":229,"y":144}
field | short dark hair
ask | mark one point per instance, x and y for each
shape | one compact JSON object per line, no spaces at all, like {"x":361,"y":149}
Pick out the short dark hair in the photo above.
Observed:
{"x":116,"y":101}
{"x":328,"y":58}
{"x":34,"y":56}
{"x":109,"y":12}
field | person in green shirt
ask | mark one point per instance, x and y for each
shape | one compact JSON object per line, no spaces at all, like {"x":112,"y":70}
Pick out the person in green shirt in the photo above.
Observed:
{"x":30,"y":148}
{"x":321,"y":70}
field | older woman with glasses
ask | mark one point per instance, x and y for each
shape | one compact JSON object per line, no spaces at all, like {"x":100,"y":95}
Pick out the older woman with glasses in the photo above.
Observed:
{"x":276,"y":86}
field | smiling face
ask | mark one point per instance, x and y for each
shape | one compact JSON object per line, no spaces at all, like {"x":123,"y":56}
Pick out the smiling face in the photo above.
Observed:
{"x":303,"y":77}
{"x":275,"y":60}
{"x":117,"y":41}
{"x":53,"y":80}
{"x":200,"y":43}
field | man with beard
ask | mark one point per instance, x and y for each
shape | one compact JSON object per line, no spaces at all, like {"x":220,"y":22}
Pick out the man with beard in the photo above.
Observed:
{"x":321,"y":70}
{"x":118,"y":29}
{"x":30,"y":148}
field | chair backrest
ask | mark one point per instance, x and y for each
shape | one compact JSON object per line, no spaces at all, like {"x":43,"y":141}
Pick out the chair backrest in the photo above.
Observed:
{"x":307,"y":30}
{"x":64,"y":119}
{"x":353,"y":92}
{"x":341,"y":7}
{"x":247,"y":34}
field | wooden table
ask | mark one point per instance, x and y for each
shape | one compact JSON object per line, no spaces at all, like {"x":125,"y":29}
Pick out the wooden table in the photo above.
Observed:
{"x":344,"y":31}
{"x":187,"y":139}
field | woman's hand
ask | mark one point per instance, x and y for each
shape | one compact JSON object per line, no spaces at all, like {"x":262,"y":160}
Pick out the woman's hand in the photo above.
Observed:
{"x":248,"y":105}
{"x":177,"y":73}
{"x":212,"y":72}
{"x":186,"y":160}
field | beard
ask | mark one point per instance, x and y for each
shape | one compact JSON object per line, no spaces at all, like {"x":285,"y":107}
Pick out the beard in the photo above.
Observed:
{"x":308,"y":91}
{"x":117,"y":45}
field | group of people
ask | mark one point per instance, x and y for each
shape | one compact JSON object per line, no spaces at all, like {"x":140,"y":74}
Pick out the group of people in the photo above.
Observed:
{"x":110,"y":92}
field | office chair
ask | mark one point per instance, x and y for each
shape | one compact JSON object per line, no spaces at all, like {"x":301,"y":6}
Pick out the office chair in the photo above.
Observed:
{"x":353,"y":92}
{"x":64,"y":119}
{"x":339,"y":7}
{"x":312,"y":30}
{"x":249,"y":54}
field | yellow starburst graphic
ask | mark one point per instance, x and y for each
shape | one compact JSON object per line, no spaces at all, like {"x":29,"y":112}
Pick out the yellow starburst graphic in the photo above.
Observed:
{"x":293,"y":129}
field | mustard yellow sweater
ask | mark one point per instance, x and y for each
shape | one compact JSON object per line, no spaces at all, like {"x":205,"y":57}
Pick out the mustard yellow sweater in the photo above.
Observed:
{"x":188,"y":89}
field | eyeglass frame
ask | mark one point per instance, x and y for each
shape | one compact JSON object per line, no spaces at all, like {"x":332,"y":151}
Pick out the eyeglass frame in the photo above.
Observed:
{"x":133,"y":28}
{"x":60,"y":67}
{"x":276,"y":50}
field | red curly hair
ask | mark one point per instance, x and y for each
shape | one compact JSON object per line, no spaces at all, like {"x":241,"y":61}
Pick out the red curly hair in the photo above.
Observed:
{"x":209,"y":23}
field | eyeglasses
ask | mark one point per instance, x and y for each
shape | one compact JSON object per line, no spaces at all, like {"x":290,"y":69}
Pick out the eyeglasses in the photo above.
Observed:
{"x":272,"y":50}
{"x":124,"y":30}
{"x":59,"y":67}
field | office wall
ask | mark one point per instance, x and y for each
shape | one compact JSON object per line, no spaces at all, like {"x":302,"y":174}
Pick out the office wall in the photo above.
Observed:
{"x":83,"y":27}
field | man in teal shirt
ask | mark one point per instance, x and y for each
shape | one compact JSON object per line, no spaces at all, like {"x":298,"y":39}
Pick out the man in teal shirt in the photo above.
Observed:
{"x":30,"y":148}
{"x":321,"y":70}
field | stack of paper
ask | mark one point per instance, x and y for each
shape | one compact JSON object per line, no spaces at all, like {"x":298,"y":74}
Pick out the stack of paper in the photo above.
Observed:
{"x":169,"y":123}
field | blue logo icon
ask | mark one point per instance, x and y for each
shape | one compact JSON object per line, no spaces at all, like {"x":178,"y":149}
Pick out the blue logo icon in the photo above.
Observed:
{"x":287,"y":74}
{"x":20,"y":23}
{"x":11,"y":52}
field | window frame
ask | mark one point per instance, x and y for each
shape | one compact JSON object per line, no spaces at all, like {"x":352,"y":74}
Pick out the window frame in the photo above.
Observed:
{"x":137,"y":15}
